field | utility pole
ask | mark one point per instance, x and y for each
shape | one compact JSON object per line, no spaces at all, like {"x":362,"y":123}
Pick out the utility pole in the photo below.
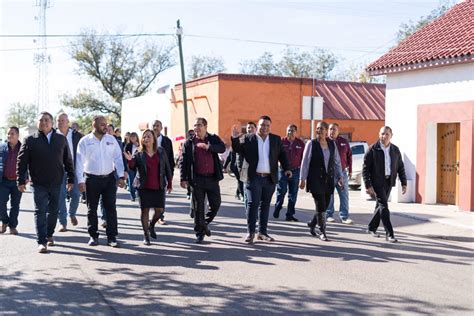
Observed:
{"x":312,"y":111}
{"x":179,"y":33}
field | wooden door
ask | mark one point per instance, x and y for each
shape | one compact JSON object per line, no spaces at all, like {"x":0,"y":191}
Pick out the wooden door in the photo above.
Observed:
{"x":447,"y":191}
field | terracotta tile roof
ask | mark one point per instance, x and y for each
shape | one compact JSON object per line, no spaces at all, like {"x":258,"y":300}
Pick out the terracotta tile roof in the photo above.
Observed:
{"x":448,"y":39}
{"x":351,"y":100}
{"x":342,"y":100}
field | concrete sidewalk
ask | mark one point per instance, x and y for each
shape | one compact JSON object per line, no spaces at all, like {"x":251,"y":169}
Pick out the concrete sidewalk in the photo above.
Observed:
{"x":437,"y":213}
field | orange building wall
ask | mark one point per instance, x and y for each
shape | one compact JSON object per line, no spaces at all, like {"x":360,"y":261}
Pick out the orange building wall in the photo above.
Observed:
{"x":241,"y":101}
{"x":227,"y":102}
{"x":202,"y":100}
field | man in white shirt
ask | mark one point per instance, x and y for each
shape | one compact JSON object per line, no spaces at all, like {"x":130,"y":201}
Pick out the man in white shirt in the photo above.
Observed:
{"x":73,"y":137}
{"x":98,"y":157}
{"x":262,"y":151}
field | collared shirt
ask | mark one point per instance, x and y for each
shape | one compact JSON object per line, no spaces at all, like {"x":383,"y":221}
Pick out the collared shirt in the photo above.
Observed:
{"x":326,"y":154}
{"x":48,"y":136}
{"x":98,"y":157}
{"x":345,"y":153}
{"x":9,"y":171}
{"x":263,"y":165}
{"x":203,"y":160}
{"x":294,"y":151}
{"x":69,"y":140}
{"x":159,"y":140}
{"x":388,"y":161}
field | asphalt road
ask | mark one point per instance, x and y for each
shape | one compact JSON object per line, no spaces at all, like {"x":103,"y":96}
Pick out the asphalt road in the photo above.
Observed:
{"x":429,"y":272}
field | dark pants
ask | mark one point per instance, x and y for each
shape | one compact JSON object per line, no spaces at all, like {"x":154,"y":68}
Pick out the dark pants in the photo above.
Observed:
{"x":290,"y":185}
{"x":321,"y":201}
{"x":381,"y":209}
{"x":46,"y":199}
{"x":105,"y":187}
{"x":9,"y":190}
{"x":205,"y":186}
{"x":259,"y":195}
{"x":131,"y":178}
{"x":239,"y":191}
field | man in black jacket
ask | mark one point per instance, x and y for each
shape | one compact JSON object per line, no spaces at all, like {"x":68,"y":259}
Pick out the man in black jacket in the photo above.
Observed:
{"x":382,"y":163}
{"x":201,"y":168}
{"x":46,"y":155}
{"x":167,"y":145}
{"x":73,"y":137}
{"x":262,"y":151}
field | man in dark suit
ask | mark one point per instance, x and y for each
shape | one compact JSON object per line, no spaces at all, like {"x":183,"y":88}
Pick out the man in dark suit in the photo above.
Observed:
{"x":201,"y":169}
{"x":262,"y":151}
{"x":167,"y":145}
{"x":46,"y":156}
{"x":73,"y":137}
{"x":382,"y":163}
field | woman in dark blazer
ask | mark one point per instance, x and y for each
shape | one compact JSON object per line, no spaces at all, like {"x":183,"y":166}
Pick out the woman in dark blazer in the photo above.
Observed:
{"x":152,"y":180}
{"x":131,"y":147}
{"x":320,"y":166}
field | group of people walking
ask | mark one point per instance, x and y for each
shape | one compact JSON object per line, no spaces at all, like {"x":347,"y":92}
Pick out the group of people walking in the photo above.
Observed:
{"x":62,"y":162}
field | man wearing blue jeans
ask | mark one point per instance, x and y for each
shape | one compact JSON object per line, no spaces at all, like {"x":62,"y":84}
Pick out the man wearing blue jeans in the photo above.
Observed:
{"x":8,"y":188}
{"x":73,"y":137}
{"x":46,"y":155}
{"x":345,"y":154}
{"x":294,"y":148}
{"x":262,"y":151}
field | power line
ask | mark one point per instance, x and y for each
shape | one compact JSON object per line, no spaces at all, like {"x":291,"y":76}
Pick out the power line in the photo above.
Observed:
{"x":80,"y":35}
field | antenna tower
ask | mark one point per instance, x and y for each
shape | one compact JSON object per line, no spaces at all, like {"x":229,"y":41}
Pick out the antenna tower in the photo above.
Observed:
{"x":41,"y":57}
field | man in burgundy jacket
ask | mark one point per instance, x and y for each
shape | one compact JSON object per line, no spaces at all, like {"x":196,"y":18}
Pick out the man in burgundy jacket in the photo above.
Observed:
{"x":346,"y":163}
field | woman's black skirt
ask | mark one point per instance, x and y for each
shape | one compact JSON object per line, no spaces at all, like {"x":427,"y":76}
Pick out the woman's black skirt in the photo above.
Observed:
{"x":151,"y":198}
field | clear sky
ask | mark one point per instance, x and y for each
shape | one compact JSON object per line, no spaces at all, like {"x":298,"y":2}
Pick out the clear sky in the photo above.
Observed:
{"x":356,"y":31}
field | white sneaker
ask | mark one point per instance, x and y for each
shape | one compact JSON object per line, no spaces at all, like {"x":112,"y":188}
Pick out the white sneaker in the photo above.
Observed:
{"x":347,"y":221}
{"x":330,"y":219}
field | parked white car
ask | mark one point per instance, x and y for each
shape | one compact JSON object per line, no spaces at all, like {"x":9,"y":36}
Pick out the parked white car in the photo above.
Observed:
{"x":358,"y":151}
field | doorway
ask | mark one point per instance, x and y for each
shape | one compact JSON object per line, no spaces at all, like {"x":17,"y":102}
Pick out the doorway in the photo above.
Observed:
{"x":447,"y":190}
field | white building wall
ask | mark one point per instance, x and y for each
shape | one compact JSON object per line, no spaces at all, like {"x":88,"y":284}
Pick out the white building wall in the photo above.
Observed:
{"x":146,"y":109}
{"x":405,"y":91}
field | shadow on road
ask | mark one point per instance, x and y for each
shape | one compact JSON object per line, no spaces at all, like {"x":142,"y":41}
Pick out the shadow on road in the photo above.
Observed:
{"x":86,"y":296}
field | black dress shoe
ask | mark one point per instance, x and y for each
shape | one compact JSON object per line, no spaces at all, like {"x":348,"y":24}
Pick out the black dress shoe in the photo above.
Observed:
{"x":93,"y":241}
{"x":276,"y":213}
{"x":199,"y":239}
{"x":249,"y":238}
{"x":265,"y":237}
{"x":151,"y":230}
{"x":207,"y":231}
{"x":146,"y":241}
{"x":372,"y":233}
{"x":323,"y":237}
{"x":312,"y":229}
{"x":291,"y":219}
{"x":391,"y":239}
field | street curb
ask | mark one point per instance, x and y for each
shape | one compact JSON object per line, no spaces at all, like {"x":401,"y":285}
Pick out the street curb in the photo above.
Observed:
{"x":439,"y":221}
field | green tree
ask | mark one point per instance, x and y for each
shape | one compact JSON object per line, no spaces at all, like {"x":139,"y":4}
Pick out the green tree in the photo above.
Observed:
{"x":205,"y":65}
{"x":264,"y":65}
{"x":356,"y":73}
{"x":293,"y":63}
{"x":121,"y":68}
{"x":21,"y":115}
{"x":407,"y":29}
